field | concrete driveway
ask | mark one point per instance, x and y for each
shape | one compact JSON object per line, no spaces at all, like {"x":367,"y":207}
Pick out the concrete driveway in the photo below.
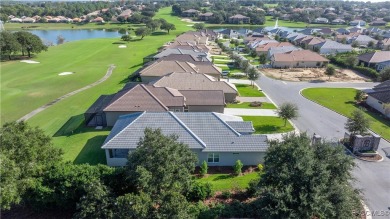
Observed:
{"x":372,"y":178}
{"x":250,"y":112}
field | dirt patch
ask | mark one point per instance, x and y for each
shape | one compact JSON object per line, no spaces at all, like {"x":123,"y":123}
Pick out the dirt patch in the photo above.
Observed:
{"x":189,"y":20}
{"x":314,"y":74}
{"x":377,"y":157}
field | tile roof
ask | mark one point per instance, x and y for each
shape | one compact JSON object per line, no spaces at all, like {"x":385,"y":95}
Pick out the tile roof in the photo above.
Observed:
{"x":194,"y":81}
{"x":299,"y":55}
{"x":204,"y":97}
{"x":239,"y":16}
{"x":365,"y":38}
{"x":330,"y":44}
{"x":205,"y":131}
{"x":283,"y":49}
{"x":267,"y":46}
{"x":195,"y":53}
{"x":241,"y":127}
{"x":162,"y":68}
{"x":375,"y":57}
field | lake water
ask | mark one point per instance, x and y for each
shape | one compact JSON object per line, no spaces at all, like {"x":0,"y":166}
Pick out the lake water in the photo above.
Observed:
{"x":50,"y":36}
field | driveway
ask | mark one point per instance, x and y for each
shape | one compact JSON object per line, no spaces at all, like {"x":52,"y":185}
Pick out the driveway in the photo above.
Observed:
{"x":372,"y":178}
{"x":250,"y":112}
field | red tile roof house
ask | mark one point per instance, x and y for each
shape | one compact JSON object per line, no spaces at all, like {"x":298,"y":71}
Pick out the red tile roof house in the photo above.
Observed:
{"x":263,"y":49}
{"x":375,"y":59}
{"x":160,"y":69}
{"x":195,"y":81}
{"x":309,"y":43}
{"x":378,"y":96}
{"x":298,"y":59}
{"x":139,"y":98}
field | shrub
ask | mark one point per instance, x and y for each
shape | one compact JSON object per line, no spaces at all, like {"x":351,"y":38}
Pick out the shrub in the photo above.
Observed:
{"x":238,"y":167}
{"x":256,"y":104}
{"x":369,"y":72}
{"x":203,"y":168}
{"x":200,"y":191}
{"x":226,"y":194}
{"x":260,"y":167}
{"x":252,"y":187}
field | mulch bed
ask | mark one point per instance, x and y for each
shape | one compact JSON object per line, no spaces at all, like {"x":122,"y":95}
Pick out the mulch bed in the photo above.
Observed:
{"x":375,"y":158}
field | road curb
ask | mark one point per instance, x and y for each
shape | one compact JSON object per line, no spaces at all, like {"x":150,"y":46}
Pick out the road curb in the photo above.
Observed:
{"x":300,"y":92}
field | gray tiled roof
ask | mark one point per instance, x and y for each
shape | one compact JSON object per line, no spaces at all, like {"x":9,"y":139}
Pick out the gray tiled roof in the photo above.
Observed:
{"x":180,"y":51}
{"x":201,"y":130}
{"x":241,"y":127}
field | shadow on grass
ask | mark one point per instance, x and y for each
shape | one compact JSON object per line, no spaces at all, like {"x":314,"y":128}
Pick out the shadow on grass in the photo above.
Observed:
{"x":158,"y":33}
{"x":118,"y":43}
{"x":267,"y":129}
{"x":222,"y":177}
{"x":91,"y":152}
{"x":75,"y":124}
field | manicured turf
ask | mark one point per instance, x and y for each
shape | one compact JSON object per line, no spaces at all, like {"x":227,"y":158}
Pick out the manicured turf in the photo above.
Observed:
{"x":248,"y":91}
{"x":223,"y":182}
{"x":63,"y":26}
{"x":268,"y":124}
{"x":90,"y":59}
{"x":342,"y":101}
{"x":246,"y":105}
{"x":271,"y":5}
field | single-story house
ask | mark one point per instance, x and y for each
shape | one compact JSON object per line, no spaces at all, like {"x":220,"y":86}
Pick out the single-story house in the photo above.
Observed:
{"x":263,"y":49}
{"x":363,"y":40}
{"x":206,"y":16}
{"x":193,"y":37}
{"x":332,"y":47}
{"x":378,"y":22}
{"x":232,"y":34}
{"x":283,"y":49}
{"x":378,"y":96}
{"x":196,"y":81}
{"x":338,"y":21}
{"x":186,"y":58}
{"x":162,"y":68}
{"x":298,"y":59}
{"x":185,"y":46}
{"x":138,"y":98}
{"x":309,"y":43}
{"x":168,"y":52}
{"x":238,"y":19}
{"x":218,"y":139}
{"x":375,"y":59}
{"x":190,"y":13}
{"x":357,"y":22}
{"x":342,"y":31}
{"x":321,"y":20}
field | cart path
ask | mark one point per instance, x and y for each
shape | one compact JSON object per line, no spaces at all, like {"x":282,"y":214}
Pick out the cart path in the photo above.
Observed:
{"x":40,"y":109}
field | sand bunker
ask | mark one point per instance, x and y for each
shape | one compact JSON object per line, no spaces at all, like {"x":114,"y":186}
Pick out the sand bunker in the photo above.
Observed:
{"x":122,"y":46}
{"x":65,"y":73}
{"x":29,"y":61}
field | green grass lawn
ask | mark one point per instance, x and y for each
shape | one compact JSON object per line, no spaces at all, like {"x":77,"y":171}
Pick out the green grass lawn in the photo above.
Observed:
{"x":224,"y":61}
{"x":230,"y":69}
{"x":268,"y":124}
{"x":248,"y":91}
{"x":246,"y":105}
{"x":25,"y":87}
{"x":271,"y":5}
{"x":223,"y":182}
{"x":342,"y":101}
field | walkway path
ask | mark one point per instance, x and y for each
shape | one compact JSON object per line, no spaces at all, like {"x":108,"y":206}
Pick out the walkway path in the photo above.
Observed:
{"x":40,"y":109}
{"x":250,"y":112}
{"x":253,"y":99}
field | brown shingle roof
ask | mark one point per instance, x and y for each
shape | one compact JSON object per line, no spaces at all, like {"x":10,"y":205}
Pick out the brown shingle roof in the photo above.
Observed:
{"x":165,"y":67}
{"x":299,"y":55}
{"x":375,"y":57}
{"x":266,"y":46}
{"x":193,"y":81}
{"x":204,"y":97}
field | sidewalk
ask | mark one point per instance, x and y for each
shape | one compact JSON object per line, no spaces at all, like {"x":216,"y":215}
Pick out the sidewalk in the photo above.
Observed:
{"x":250,"y":112}
{"x":253,"y":99}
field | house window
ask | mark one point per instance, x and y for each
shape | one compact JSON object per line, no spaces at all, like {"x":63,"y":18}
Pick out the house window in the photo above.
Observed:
{"x":110,"y":154}
{"x":177,"y":110}
{"x":213,"y":158}
{"x":121,"y":153}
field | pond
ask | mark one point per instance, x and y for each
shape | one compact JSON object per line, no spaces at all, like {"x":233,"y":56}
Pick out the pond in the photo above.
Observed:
{"x":50,"y":36}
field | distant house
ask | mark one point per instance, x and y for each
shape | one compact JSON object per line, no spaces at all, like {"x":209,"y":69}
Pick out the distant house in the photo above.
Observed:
{"x":298,"y":59}
{"x":238,"y":19}
{"x":378,"y":96}
{"x":97,"y":20}
{"x":196,"y":38}
{"x":190,"y":13}
{"x":377,"y":60}
{"x":321,"y":20}
{"x":363,"y":40}
{"x":162,"y":68}
{"x":126,"y":13}
{"x":332,"y":47}
{"x":232,"y":34}
{"x":16,"y":20}
{"x":185,"y":46}
{"x":283,"y":49}
{"x":348,"y":37}
{"x":338,"y":21}
{"x":206,"y":16}
{"x":28,"y":20}
{"x":195,"y":81}
{"x":263,"y":49}
{"x":342,"y":31}
{"x":218,"y":139}
{"x":385,"y":44}
{"x":357,"y":22}
{"x":378,"y":22}
{"x":310,"y":43}
{"x":138,"y":98}
{"x":168,"y":52}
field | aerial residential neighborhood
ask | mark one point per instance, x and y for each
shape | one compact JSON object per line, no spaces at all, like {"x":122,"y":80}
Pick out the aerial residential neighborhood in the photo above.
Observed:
{"x":195,"y":109}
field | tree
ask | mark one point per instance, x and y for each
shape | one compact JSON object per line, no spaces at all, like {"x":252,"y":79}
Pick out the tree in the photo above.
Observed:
{"x":154,"y":25}
{"x":358,"y":123}
{"x":351,"y":61}
{"x":60,"y":39}
{"x":161,"y":167}
{"x":199,"y":26}
{"x":277,"y":37}
{"x":253,"y":75}
{"x":168,"y":27}
{"x":238,"y":167}
{"x":359,"y":96}
{"x":355,"y":44}
{"x":330,"y":71}
{"x":301,"y":180}
{"x":126,"y":38}
{"x":142,"y":32}
{"x":203,"y":168}
{"x":263,"y":59}
{"x":384,"y":75}
{"x":29,"y":153}
{"x":371,"y":44}
{"x":133,"y":206}
{"x":30,"y":42}
{"x":287,"y":111}
{"x":8,"y":44}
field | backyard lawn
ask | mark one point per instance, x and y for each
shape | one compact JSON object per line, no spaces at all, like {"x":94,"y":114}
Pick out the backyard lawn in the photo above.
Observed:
{"x":264,"y":105}
{"x":342,"y":101}
{"x":268,"y":124}
{"x":245,"y":90}
{"x":223,"y":182}
{"x":25,"y":87}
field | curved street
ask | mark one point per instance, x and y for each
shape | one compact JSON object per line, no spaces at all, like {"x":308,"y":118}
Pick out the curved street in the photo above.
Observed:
{"x":372,"y":178}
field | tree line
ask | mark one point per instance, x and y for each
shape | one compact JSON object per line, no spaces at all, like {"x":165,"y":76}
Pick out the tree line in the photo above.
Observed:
{"x":299,"y":180}
{"x":21,"y":41}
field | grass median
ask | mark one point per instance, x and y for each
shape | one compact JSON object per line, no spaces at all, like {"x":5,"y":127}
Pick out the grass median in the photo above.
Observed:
{"x":249,"y":91}
{"x":342,"y":101}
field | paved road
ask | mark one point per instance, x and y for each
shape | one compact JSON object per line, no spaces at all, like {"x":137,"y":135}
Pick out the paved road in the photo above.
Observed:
{"x":372,"y":178}
{"x":40,"y":109}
